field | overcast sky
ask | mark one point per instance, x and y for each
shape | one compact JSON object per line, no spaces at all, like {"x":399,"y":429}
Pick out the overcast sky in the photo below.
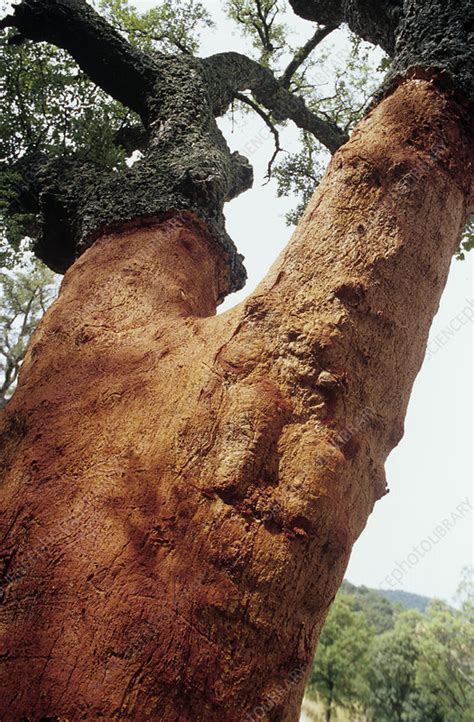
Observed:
{"x":430,"y":473}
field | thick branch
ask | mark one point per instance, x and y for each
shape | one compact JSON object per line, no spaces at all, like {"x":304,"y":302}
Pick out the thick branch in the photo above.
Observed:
{"x":230,"y":73}
{"x":186,"y":165}
{"x":373,"y":20}
{"x":304,"y":52}
{"x":122,"y":71}
{"x":427,"y":38}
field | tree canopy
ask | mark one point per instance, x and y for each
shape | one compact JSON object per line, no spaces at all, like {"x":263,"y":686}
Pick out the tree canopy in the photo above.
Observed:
{"x":54,"y":115}
{"x":25,"y":294}
{"x":395,"y":664}
{"x":59,"y":120}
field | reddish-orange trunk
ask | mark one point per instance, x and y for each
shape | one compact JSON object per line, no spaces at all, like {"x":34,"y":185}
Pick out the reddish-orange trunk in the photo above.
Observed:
{"x":182,"y":490}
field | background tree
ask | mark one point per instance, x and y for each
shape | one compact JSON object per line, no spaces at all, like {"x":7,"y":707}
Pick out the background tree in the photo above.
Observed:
{"x":379,"y":611}
{"x":445,"y":668}
{"x":338,"y":672}
{"x":394,"y":696}
{"x":186,"y":479}
{"x":24,"y":297}
{"x":415,"y":666}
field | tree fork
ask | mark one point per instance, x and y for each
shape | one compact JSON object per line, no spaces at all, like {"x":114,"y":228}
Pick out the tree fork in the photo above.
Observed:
{"x":182,"y":490}
{"x":186,"y":164}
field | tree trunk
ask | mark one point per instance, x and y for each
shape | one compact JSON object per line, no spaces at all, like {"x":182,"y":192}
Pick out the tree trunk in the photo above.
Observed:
{"x":329,"y":701}
{"x":182,"y":490}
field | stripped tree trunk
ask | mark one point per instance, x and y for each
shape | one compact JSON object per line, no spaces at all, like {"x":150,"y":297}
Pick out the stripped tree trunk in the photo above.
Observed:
{"x":182,"y":490}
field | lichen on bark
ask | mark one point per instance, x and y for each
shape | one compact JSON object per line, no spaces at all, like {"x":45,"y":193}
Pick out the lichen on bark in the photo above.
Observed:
{"x":431,"y":38}
{"x":186,"y":165}
{"x":436,"y":38}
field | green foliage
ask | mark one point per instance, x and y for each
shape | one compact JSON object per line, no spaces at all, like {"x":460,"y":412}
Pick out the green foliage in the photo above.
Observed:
{"x":406,"y":600}
{"x":299,"y":173}
{"x":467,"y":241}
{"x":394,"y":696}
{"x":13,"y":228}
{"x":404,"y":665}
{"x":445,"y":669}
{"x":352,"y":81}
{"x":172,"y":25}
{"x":342,"y":655}
{"x":25,"y":293}
{"x":337,"y":89}
{"x":379,"y":611}
{"x":50,"y":107}
{"x":348,"y":85}
{"x":258,"y":21}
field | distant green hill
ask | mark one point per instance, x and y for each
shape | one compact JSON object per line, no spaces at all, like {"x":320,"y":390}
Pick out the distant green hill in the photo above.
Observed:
{"x":382,"y":605}
{"x":406,"y":599}
{"x":379,"y":611}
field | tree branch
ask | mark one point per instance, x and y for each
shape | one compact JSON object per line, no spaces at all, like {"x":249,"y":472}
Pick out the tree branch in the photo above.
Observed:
{"x":109,"y":61}
{"x":266,"y":25}
{"x":230,"y":73}
{"x":261,"y":20}
{"x":304,"y":52}
{"x":153,"y":36}
{"x":267,"y":120}
{"x":375,"y":21}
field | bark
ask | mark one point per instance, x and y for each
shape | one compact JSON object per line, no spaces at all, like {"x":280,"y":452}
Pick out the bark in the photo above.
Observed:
{"x":434,"y":39}
{"x":232,"y":72}
{"x":426,"y":38}
{"x":373,"y":20}
{"x":182,"y":490}
{"x":187,"y":165}
{"x":122,"y":71}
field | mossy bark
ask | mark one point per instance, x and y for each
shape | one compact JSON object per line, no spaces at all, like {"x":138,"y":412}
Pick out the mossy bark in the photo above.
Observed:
{"x":186,"y":165}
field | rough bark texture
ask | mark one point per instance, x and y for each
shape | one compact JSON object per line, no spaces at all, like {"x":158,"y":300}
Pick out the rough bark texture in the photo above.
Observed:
{"x":436,"y":38}
{"x":373,"y":20}
{"x":231,"y":72}
{"x":124,"y":72}
{"x":181,"y":490}
{"x":186,"y":164}
{"x":425,"y":37}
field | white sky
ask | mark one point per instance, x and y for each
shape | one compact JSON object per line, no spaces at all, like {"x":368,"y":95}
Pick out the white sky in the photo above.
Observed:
{"x":430,"y":473}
